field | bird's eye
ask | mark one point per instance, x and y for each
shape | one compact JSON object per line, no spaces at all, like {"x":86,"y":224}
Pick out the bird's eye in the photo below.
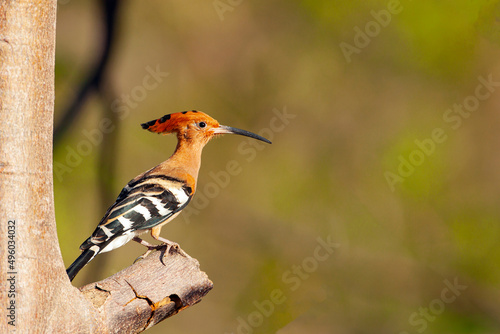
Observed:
{"x":202,"y":124}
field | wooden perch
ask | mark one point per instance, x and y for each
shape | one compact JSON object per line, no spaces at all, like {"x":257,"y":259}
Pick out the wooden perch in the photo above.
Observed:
{"x":148,"y":292}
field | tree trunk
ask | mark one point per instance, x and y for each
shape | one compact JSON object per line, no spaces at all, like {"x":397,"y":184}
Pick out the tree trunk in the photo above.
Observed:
{"x":36,"y":294}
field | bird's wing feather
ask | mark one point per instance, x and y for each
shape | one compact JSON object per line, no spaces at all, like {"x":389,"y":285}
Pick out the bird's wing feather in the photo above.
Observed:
{"x":142,"y":204}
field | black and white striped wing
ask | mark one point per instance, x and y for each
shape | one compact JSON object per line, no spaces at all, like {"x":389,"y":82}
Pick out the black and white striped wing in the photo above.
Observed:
{"x":141,"y":205}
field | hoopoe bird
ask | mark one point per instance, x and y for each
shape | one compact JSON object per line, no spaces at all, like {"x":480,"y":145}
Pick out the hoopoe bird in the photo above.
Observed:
{"x":157,"y":196}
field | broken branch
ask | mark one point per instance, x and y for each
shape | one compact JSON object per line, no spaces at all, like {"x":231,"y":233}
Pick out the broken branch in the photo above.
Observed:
{"x":148,"y":292}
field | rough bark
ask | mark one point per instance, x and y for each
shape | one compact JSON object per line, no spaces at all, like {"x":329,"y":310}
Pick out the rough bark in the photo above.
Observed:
{"x":33,"y":277}
{"x":173,"y":282}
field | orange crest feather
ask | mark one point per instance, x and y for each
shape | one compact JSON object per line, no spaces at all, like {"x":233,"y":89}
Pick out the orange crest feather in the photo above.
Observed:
{"x":173,"y":122}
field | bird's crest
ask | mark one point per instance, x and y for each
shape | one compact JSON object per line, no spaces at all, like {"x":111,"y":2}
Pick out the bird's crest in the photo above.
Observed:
{"x":175,"y":122}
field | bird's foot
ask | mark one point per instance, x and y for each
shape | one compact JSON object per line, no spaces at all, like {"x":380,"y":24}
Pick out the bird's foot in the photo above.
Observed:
{"x":175,"y":245}
{"x":149,"y":246}
{"x":169,"y":244}
{"x":150,"y":249}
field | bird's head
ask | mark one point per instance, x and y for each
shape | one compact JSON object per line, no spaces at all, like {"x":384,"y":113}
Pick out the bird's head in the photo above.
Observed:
{"x":194,"y":126}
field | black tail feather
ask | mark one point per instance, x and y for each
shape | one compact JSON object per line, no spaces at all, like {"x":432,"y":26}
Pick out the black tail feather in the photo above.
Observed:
{"x":84,"y":258}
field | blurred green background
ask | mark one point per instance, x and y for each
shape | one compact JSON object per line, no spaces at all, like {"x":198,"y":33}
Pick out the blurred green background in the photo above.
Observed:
{"x":389,"y":149}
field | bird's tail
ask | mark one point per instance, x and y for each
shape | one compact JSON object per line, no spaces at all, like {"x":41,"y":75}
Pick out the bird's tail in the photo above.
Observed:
{"x":84,"y":258}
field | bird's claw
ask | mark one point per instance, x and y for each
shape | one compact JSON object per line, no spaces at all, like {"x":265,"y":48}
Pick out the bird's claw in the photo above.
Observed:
{"x":140,"y":257}
{"x":169,"y":245}
{"x":177,"y":248}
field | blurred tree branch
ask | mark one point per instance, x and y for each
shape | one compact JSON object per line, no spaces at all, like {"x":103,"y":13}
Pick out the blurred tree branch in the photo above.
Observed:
{"x":93,"y":82}
{"x":97,"y":83}
{"x":106,"y":175}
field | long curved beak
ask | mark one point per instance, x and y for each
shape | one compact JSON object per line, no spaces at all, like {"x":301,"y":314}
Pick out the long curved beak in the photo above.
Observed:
{"x":228,"y":129}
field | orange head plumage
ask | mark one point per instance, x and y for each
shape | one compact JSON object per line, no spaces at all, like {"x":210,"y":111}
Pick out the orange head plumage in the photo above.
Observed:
{"x":194,"y":125}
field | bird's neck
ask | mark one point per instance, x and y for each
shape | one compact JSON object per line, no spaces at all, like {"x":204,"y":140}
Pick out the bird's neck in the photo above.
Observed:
{"x":186,"y":158}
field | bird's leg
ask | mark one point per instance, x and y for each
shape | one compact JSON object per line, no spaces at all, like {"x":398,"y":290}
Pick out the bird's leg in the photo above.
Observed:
{"x":144,"y":243}
{"x":155,"y":233}
{"x":148,"y":245}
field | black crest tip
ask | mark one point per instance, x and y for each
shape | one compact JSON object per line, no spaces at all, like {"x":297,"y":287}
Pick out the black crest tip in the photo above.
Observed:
{"x":164,"y":118}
